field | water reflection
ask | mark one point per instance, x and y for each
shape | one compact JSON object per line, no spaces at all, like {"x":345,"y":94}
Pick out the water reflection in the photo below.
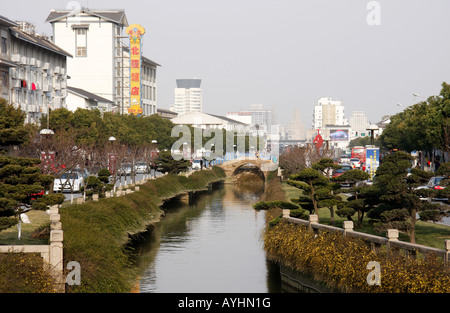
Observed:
{"x":213,"y":245}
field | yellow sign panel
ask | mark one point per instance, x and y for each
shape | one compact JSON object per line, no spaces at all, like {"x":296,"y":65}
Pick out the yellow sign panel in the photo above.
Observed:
{"x":135,"y":32}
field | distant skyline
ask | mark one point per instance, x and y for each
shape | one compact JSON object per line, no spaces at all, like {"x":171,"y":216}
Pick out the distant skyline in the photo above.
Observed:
{"x":285,"y":53}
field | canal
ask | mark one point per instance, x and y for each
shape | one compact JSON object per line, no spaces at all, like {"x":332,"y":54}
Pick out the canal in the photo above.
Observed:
{"x":213,"y":245}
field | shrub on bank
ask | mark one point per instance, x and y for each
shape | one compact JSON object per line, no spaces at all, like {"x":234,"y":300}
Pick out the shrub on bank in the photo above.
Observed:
{"x":24,"y":273}
{"x":341,"y":262}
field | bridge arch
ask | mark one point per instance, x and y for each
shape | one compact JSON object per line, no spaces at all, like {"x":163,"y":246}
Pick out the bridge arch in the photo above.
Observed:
{"x":259,"y":166}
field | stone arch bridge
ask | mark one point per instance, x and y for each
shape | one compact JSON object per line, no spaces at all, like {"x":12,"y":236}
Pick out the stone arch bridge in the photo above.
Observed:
{"x":255,"y":165}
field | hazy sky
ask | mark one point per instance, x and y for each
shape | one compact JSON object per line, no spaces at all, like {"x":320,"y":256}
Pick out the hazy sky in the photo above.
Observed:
{"x":285,"y":53}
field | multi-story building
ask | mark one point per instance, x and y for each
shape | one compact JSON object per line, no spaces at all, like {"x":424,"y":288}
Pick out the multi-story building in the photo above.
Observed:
{"x":359,"y":123}
{"x":188,"y":96}
{"x":38,"y":76}
{"x":329,"y":120}
{"x":259,"y":116}
{"x":101,"y":62}
{"x":5,"y":61}
{"x":328,"y":112}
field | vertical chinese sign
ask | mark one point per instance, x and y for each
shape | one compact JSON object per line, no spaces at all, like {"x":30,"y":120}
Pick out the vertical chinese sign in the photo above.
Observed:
{"x":135,"y":32}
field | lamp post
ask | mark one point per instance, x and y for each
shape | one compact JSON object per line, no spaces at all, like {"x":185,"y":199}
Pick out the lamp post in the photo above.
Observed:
{"x":372,"y":128}
{"x":112,"y":161}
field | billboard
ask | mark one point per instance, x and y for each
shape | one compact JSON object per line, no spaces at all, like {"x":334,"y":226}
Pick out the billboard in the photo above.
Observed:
{"x":135,"y":32}
{"x":372,"y":160}
{"x":339,"y":134}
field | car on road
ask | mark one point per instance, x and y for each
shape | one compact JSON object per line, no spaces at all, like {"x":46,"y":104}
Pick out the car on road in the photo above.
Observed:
{"x":68,"y":182}
{"x":344,"y":158}
{"x":433,"y":183}
{"x":344,"y":168}
{"x":355,"y":162}
{"x":126,"y":169}
{"x":197,"y":164}
{"x":141,"y":168}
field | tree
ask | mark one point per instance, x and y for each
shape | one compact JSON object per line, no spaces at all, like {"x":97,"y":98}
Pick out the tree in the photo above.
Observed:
{"x":398,"y":197}
{"x":166,"y":163}
{"x":356,"y":202}
{"x":423,"y":126}
{"x":293,"y":160}
{"x":22,"y":187}
{"x":12,"y":129}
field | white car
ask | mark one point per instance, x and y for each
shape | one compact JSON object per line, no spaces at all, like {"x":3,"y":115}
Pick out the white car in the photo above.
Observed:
{"x":355,"y":162}
{"x":67,"y":181}
{"x":141,"y":168}
{"x":196,"y":165}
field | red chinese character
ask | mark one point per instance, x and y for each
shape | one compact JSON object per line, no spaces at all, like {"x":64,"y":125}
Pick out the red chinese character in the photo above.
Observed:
{"x":135,"y":91}
{"x":135,"y":50}
{"x":135,"y":64}
{"x":135,"y":77}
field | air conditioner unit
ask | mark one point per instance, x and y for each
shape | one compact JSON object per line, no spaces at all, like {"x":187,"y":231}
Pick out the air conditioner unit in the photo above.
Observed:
{"x":38,"y":63}
{"x":45,"y":87}
{"x":63,"y":71}
{"x":57,"y":86}
{"x":56,"y":70}
{"x":32,"y":61}
{"x":15,"y":57}
{"x":23,"y":61}
{"x":46,"y":66}
{"x":16,"y":83}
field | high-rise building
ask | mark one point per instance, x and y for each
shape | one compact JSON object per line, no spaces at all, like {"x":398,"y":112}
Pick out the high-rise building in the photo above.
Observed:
{"x":328,"y":112}
{"x":188,"y":96}
{"x":359,"y":123}
{"x":296,"y":128}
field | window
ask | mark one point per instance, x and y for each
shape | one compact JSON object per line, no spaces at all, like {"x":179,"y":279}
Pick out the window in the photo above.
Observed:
{"x":4,"y":46}
{"x":81,"y":42}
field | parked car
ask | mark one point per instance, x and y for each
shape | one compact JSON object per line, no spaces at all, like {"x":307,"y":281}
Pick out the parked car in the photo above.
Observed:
{"x":67,"y":181}
{"x":197,"y":165}
{"x":433,"y":183}
{"x":141,"y":168}
{"x":126,"y":169}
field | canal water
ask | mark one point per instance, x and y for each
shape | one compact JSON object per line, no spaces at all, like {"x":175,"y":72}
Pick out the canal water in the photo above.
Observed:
{"x":214,"y":245}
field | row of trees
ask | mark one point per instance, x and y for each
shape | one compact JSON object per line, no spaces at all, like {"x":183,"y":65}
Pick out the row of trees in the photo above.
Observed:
{"x":424,"y":126}
{"x":393,"y":201}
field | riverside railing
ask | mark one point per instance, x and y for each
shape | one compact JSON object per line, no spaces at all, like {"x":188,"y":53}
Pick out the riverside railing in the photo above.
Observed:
{"x":391,"y":241}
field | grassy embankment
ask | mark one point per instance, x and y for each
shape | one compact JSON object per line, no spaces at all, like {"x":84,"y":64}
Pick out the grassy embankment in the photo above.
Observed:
{"x":96,"y":233}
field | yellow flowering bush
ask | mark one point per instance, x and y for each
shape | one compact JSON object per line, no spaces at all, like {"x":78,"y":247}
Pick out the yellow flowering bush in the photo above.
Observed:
{"x":341,"y":262}
{"x":24,"y":273}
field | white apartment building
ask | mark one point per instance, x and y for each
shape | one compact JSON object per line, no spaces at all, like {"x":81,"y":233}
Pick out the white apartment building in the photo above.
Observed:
{"x":101,"y":59}
{"x":37,"y":78}
{"x":188,"y":96}
{"x":328,"y":112}
{"x":359,"y":124}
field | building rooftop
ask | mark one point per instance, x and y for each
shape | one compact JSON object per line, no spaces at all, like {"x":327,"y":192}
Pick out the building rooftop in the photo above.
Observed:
{"x":189,"y":83}
{"x":38,"y":41}
{"x":88,"y":95}
{"x":116,"y":16}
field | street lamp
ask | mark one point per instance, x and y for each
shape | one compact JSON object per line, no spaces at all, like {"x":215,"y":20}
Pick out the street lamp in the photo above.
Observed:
{"x":372,"y":128}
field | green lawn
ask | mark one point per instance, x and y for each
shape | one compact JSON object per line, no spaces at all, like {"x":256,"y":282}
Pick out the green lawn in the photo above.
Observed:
{"x":427,"y":233}
{"x":37,"y":219}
